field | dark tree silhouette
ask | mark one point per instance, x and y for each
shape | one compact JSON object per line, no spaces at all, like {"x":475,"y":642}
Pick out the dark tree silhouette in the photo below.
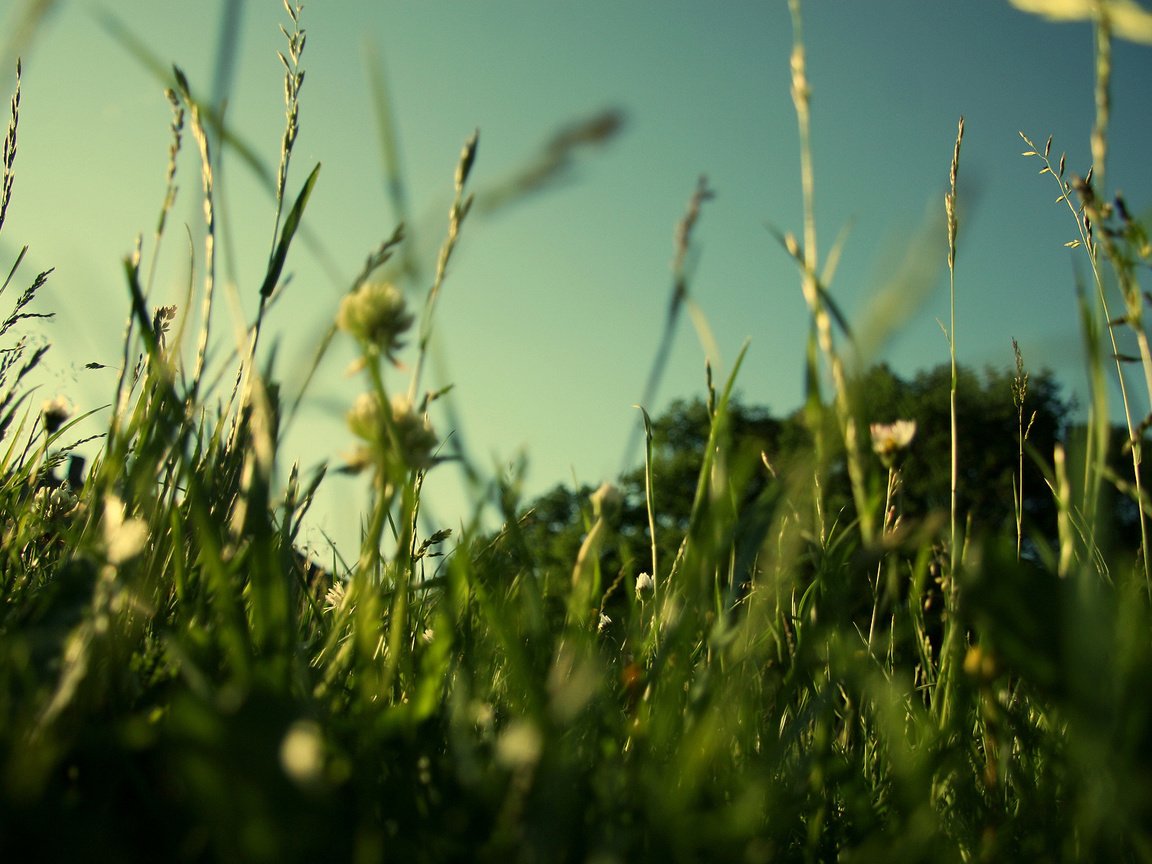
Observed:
{"x":546,"y":536}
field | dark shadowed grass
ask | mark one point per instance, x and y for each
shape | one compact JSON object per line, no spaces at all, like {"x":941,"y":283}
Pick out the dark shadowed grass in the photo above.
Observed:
{"x":807,"y":673}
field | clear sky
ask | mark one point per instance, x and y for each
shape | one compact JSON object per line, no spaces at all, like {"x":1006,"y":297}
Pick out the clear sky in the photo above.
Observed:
{"x":553,"y":307}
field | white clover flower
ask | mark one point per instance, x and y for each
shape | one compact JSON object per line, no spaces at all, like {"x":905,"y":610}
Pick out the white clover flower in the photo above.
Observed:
{"x":889,"y":439}
{"x":414,"y":440}
{"x":124,"y":539}
{"x":334,"y":597}
{"x":645,"y":584}
{"x":56,"y":501}
{"x":417,"y":439}
{"x":375,"y":313}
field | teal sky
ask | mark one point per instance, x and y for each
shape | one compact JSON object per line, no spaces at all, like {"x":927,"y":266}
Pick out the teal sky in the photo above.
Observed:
{"x":554,"y":306}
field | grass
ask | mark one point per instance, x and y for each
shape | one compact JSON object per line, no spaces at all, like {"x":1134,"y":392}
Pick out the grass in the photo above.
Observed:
{"x":806,"y":676}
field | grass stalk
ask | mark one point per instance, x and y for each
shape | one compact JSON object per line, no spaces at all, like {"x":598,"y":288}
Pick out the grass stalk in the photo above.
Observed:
{"x":889,"y":525}
{"x":953,"y":224}
{"x":461,"y":205}
{"x":1019,"y":395}
{"x":815,"y":295}
{"x":677,"y":300}
{"x":200,"y":135}
{"x":293,"y":82}
{"x":944,"y":693}
{"x":650,"y":506}
{"x":1095,"y":235}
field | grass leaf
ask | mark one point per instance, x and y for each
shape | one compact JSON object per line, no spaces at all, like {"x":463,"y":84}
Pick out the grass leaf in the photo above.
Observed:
{"x":280,"y":254}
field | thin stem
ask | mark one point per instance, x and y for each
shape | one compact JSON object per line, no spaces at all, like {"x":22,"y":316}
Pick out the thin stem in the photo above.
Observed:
{"x":456,"y":215}
{"x":1019,"y":393}
{"x":813,"y":293}
{"x":888,"y":524}
{"x":649,"y":496}
{"x":953,"y":226}
{"x":199,"y":133}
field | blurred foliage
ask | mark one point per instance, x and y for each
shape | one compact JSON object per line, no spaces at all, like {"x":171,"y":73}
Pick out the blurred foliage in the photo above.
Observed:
{"x":764,"y":449}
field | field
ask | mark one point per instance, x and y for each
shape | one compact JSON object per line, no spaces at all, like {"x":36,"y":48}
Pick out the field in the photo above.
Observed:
{"x":782,"y":655}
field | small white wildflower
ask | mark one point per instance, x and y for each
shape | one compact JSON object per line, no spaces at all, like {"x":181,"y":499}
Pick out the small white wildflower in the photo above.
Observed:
{"x":124,"y":539}
{"x":888,"y":439}
{"x":58,"y":501}
{"x":602,"y":625}
{"x":414,"y":440}
{"x":334,"y":597}
{"x":375,"y":314}
{"x":644,"y":584}
{"x":428,"y":636}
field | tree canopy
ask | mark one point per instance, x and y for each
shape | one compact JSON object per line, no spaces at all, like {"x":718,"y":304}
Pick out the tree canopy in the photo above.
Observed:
{"x":762,"y":447}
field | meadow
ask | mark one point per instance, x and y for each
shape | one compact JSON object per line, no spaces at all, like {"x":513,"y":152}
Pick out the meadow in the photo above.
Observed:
{"x":796,"y":670}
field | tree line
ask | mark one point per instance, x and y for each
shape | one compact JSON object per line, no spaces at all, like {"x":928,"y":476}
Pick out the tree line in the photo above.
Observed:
{"x":1007,"y":429}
